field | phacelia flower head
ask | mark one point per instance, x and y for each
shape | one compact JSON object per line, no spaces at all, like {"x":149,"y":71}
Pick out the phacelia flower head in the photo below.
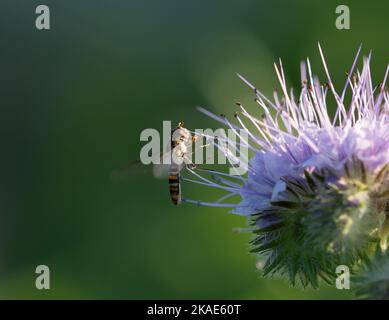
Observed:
{"x":317,"y":186}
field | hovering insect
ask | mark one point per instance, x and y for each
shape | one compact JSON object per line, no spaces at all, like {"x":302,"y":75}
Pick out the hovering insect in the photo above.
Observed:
{"x":180,"y":140}
{"x":171,"y":162}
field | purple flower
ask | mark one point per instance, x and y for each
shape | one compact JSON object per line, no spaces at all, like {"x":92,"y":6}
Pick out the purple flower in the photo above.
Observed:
{"x":317,"y":187}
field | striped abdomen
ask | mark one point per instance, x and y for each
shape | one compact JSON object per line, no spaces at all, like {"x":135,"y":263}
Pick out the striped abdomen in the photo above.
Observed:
{"x":174,"y":184}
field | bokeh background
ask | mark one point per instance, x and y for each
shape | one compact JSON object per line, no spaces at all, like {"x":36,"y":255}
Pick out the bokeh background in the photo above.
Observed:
{"x":73,"y":101}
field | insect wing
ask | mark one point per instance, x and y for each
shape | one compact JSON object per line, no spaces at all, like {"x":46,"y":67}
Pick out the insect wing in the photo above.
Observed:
{"x":131,"y":170}
{"x":161,"y":170}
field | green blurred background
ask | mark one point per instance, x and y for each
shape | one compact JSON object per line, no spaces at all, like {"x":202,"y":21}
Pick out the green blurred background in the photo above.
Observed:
{"x":73,"y":102}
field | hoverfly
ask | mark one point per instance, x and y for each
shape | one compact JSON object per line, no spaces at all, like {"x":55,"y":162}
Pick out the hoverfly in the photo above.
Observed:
{"x":180,"y":139}
{"x":171,"y":162}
